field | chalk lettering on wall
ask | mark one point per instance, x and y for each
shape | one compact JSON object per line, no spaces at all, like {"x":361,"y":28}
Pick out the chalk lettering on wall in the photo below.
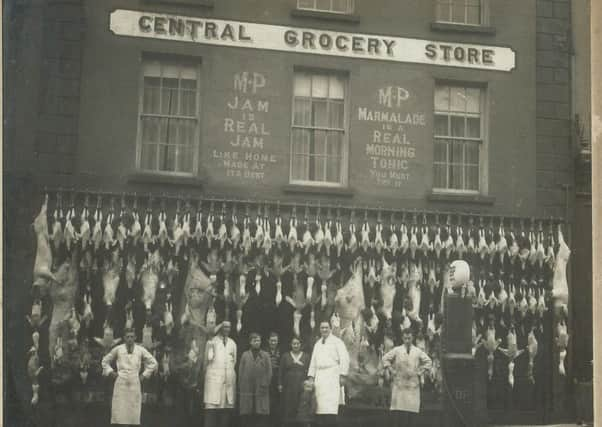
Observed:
{"x":390,"y":150}
{"x":245,"y":129}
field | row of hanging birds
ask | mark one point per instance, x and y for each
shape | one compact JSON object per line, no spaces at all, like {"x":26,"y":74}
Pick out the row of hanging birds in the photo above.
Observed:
{"x":95,"y":230}
{"x":98,"y":228}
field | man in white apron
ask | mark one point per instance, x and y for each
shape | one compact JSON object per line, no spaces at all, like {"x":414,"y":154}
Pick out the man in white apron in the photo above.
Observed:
{"x":328,"y":368}
{"x":127,"y":391}
{"x":220,"y":378}
{"x":404,"y":365}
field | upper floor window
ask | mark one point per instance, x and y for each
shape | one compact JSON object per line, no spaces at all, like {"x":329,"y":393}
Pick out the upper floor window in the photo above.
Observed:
{"x":318,"y":135}
{"x":168,"y":123}
{"x":458,"y":138}
{"x":333,"y":6}
{"x":468,"y":12}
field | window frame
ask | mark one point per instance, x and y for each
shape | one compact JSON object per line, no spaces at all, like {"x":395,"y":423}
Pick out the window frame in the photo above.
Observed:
{"x":344,"y":173}
{"x":181,"y":60}
{"x":483,"y":18}
{"x":350,"y":8}
{"x":483,"y":179}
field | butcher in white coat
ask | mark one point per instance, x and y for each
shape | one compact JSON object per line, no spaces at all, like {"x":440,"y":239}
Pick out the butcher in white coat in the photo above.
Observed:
{"x":220,"y":378}
{"x":404,"y":365}
{"x":127,"y":391}
{"x":328,"y":368}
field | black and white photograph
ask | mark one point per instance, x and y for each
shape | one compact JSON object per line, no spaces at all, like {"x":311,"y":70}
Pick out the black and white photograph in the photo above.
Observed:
{"x":299,"y":213}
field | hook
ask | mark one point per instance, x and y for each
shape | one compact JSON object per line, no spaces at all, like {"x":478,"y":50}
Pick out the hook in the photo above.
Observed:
{"x":98,"y":201}
{"x":294,"y":210}
{"x":393,"y":217}
{"x":278,"y":208}
{"x":415,"y":217}
{"x":199,"y":207}
{"x":379,"y":215}
{"x":424,"y":219}
{"x":135,"y":203}
{"x":86,"y":200}
{"x":365,"y":215}
{"x":306,"y":212}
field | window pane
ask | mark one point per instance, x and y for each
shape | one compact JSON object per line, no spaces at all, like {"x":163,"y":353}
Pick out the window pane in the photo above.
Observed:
{"x":305,"y":4}
{"x":472,"y":153}
{"x":440,"y":175}
{"x":336,"y":114}
{"x":335,"y":143}
{"x":150,"y":130}
{"x":441,"y":125}
{"x":443,"y":10}
{"x":319,"y":86}
{"x":319,"y":168}
{"x":188,"y":99}
{"x":185,"y":159}
{"x":171,"y":71}
{"x":302,"y":111}
{"x":189,"y":73}
{"x":458,"y":10}
{"x":323,"y":4}
{"x":167,"y":158}
{"x":442,"y":98}
{"x":302,"y":85}
{"x":473,"y":100}
{"x":457,"y":152}
{"x":333,"y":169}
{"x":301,"y":141}
{"x":151,"y":69}
{"x":336,"y":88}
{"x":472,"y":178}
{"x":457,"y":126}
{"x":458,"y":99}
{"x":440,"y":151}
{"x":319,"y":143}
{"x":150,"y":102}
{"x":148,"y":156}
{"x":341,"y":6}
{"x":473,"y":127}
{"x":473,"y":15}
{"x":319,"y":113}
{"x":456,"y":176}
{"x":169,"y":98}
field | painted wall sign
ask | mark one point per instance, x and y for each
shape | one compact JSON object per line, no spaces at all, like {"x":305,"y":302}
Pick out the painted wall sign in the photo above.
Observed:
{"x":312,"y":41}
{"x":393,"y":133}
{"x":247,"y":155}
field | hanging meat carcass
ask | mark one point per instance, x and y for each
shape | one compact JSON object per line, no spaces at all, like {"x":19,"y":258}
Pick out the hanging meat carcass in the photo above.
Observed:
{"x":149,"y":278}
{"x":414,"y":290}
{"x":111,"y":272}
{"x":43,"y":261}
{"x":62,"y":293}
{"x":560,"y":288}
{"x":388,"y":289}
{"x":349,"y":300}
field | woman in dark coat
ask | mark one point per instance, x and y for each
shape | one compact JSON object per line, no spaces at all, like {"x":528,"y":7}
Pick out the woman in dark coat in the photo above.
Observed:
{"x":254,"y":374}
{"x":293,"y":371}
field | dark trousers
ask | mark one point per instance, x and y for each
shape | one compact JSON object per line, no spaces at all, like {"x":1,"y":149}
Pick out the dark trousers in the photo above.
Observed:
{"x":326,"y":420}
{"x":217,"y":417}
{"x":255,"y":420}
{"x":402,"y":419}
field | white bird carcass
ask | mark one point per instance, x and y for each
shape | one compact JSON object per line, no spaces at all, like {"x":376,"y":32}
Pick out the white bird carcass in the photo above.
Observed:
{"x":69,"y":235}
{"x":149,"y":277}
{"x":84,"y":229}
{"x":532,"y":346}
{"x":338,"y":238}
{"x":414,"y":290}
{"x":404,"y":244}
{"x":562,"y":342}
{"x":560,"y":290}
{"x":108,"y":235}
{"x":43,"y":262}
{"x":490,"y":344}
{"x":512,"y":352}
{"x":136,"y":230}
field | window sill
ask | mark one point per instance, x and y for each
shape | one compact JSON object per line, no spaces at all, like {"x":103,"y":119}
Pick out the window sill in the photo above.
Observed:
{"x":462,"y":28}
{"x":311,"y":189}
{"x":328,"y":16}
{"x":156,"y":178}
{"x":476,"y":199}
{"x":201,"y":3}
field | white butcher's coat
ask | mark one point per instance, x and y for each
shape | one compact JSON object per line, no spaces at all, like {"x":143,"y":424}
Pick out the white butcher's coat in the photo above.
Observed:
{"x":406,"y":371}
{"x":127,"y":393}
{"x":220,"y":376}
{"x":329,"y":361}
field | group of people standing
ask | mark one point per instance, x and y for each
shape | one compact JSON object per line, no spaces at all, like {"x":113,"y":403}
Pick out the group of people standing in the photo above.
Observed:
{"x":293,"y":389}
